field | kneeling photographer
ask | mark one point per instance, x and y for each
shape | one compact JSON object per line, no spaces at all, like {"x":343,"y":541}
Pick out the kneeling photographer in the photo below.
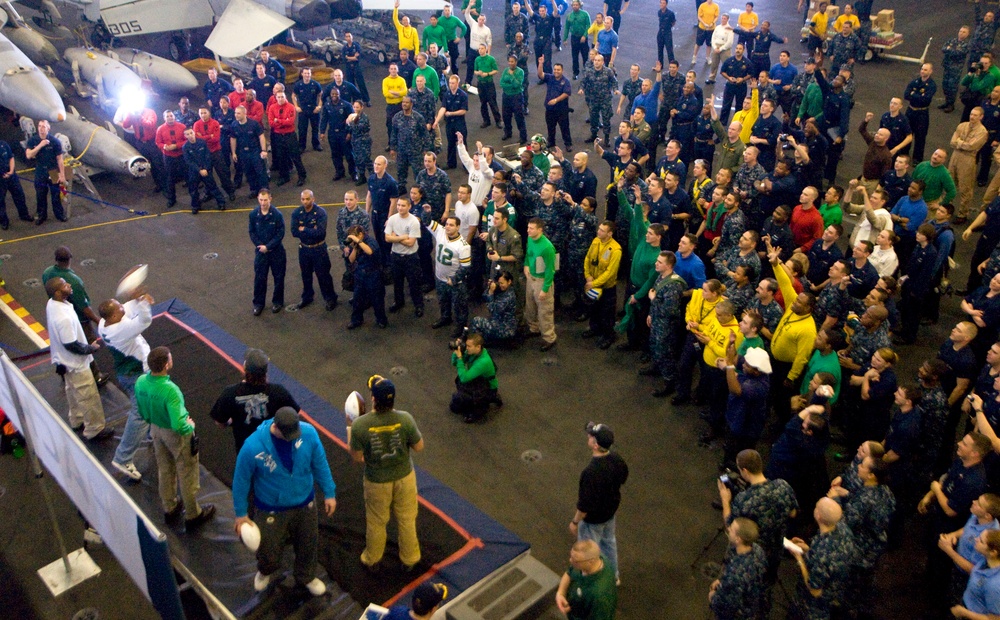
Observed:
{"x":476,"y":382}
{"x":768,"y":503}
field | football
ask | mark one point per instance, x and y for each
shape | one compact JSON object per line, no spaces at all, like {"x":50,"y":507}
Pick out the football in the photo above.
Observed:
{"x":131,"y":281}
{"x":354,"y":407}
{"x":250,"y":535}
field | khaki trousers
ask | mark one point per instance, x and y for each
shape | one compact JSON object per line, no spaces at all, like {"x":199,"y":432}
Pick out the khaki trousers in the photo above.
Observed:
{"x":398,"y":498}
{"x":84,"y":402}
{"x":715,"y":60}
{"x":963,"y":170}
{"x":175,"y":464}
{"x":540,"y":313}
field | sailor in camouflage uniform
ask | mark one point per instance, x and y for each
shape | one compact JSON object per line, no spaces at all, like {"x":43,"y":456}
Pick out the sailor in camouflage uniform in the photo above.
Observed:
{"x":738,"y":593}
{"x":582,"y":230}
{"x":502,"y":304}
{"x":955,"y":51}
{"x":825,"y":564}
{"x":665,"y":322}
{"x":408,"y":140}
{"x":598,"y":86}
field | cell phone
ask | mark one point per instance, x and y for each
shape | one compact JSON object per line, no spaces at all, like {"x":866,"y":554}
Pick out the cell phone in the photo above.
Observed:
{"x":724,"y":478}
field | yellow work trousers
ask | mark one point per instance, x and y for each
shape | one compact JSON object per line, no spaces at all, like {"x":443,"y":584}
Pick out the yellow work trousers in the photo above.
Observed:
{"x":963,"y":170}
{"x":398,"y":498}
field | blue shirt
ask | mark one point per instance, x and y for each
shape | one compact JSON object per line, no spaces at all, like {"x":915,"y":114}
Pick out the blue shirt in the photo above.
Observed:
{"x":649,"y":104}
{"x":982,"y":595}
{"x":607,"y":40}
{"x":555,"y":87}
{"x":247,"y":135}
{"x":692,"y":269}
{"x":785,"y":74}
{"x":453,"y":102}
{"x":382,"y":190}
{"x":916,"y":210}
{"x":966,"y":546}
{"x":47,"y":157}
{"x":267,"y":230}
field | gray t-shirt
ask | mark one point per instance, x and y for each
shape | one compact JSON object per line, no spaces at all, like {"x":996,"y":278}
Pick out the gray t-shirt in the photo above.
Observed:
{"x":410,"y":226}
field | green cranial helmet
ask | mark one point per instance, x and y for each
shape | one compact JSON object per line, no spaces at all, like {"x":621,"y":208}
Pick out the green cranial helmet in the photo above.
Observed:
{"x":540,"y":140}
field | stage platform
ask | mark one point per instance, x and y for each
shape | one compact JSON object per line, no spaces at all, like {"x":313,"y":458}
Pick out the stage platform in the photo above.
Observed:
{"x":460,"y":545}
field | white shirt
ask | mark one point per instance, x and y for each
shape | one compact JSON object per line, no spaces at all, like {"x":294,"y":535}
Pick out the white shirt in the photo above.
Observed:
{"x":865,"y":230}
{"x":64,"y":327}
{"x":722,"y":38}
{"x":468,"y":216}
{"x":409,"y":227}
{"x":449,"y":254}
{"x":884,"y":261}
{"x":481,"y":181}
{"x":479,"y":34}
{"x":125,"y":336}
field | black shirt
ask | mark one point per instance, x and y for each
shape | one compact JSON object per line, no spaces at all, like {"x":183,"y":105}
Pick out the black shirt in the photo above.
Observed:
{"x":247,"y":405}
{"x":600,"y":487}
{"x":962,"y":364}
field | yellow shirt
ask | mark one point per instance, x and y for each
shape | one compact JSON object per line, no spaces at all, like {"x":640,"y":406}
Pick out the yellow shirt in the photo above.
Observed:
{"x":397,"y":84}
{"x":821,"y":20}
{"x":607,"y":255}
{"x":408,"y":37}
{"x":839,"y":23}
{"x":708,"y":14}
{"x":749,"y":117}
{"x":699,"y":310}
{"x":748,"y":21}
{"x":795,"y":334}
{"x":718,"y":339}
{"x":595,"y":28}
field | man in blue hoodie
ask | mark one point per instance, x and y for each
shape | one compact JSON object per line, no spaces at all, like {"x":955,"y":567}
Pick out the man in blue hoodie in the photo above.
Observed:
{"x":284,"y":459}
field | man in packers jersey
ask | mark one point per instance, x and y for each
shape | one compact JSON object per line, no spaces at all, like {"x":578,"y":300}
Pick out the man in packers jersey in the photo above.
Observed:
{"x":452,"y":260}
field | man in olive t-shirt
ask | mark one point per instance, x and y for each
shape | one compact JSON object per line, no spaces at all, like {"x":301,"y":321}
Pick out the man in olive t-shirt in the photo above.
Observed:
{"x":382,"y":440}
{"x":587,"y":589}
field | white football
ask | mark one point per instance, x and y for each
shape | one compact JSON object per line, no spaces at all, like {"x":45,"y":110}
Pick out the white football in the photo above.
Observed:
{"x":354,"y":407}
{"x":250,"y":535}
{"x":132,"y":280}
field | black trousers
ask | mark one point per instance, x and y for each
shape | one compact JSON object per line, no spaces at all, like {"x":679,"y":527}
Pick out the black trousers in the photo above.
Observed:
{"x":369,"y":292}
{"x":602,"y":313}
{"x":730,"y":94}
{"x":985,"y":159}
{"x":664,"y":40}
{"x":13,"y":186}
{"x":316,"y":260}
{"x":285,"y":150}
{"x":919,"y":124}
{"x":195,"y":181}
{"x":307,"y":119}
{"x":273,"y":262}
{"x":488,"y":102}
{"x":513,"y":109}
{"x":452,"y":126}
{"x":390,"y":111}
{"x":406,"y":266}
{"x":300,"y":526}
{"x":42,"y":190}
{"x":249,"y":163}
{"x":543,"y":47}
{"x":340,"y":149}
{"x":354,"y":75}
{"x":580,"y":51}
{"x":220,"y":164}
{"x":558,"y":116}
{"x":174,"y":171}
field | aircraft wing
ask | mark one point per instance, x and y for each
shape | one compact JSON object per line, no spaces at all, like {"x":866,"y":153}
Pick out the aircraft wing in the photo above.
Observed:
{"x":243,"y":26}
{"x":408,"y":5}
{"x":125,"y":18}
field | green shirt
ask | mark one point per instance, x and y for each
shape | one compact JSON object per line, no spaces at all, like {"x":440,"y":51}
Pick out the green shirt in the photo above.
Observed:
{"x":822,"y":363}
{"x":159,"y":401}
{"x":577,"y":24}
{"x":756,"y":341}
{"x":541,"y":161}
{"x":449,"y":24}
{"x":540,"y":259}
{"x":435,"y":34}
{"x":476,"y":366}
{"x":491,"y":207}
{"x":512,"y":83}
{"x":592,"y":597}
{"x":385,"y":439}
{"x":812,"y":102}
{"x":431,"y":77}
{"x":79,"y":298}
{"x":832,"y":214}
{"x":938,"y":180}
{"x":486,"y":64}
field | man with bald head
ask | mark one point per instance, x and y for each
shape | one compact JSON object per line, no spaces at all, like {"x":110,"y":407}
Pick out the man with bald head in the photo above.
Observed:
{"x":825,"y":563}
{"x":309,"y":227}
{"x":878,"y":158}
{"x":900,"y":132}
{"x":968,"y":139}
{"x":919,"y":93}
{"x":587,"y":588}
{"x":731,"y":147}
{"x":72,"y":356}
{"x":579,"y":180}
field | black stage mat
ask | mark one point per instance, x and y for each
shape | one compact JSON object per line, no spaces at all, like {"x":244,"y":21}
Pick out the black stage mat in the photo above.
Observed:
{"x":202,"y":371}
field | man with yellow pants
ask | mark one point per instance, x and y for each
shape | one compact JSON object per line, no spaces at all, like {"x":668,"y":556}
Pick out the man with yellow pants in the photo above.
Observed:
{"x":382,"y":440}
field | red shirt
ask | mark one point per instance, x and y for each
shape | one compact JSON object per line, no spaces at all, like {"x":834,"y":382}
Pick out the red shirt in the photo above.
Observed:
{"x":281,"y":118}
{"x":807,"y":227}
{"x":255,"y":111}
{"x":237,"y":99}
{"x":144,"y":125}
{"x":210,"y":132}
{"x":171,"y":133}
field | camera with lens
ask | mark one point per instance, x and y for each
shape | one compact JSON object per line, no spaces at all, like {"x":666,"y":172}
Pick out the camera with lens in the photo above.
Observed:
{"x":733,"y":481}
{"x":975,"y":67}
{"x":460,"y":342}
{"x":783,"y":137}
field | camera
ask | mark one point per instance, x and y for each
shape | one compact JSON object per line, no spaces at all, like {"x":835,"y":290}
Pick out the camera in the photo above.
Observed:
{"x":460,"y":342}
{"x":783,"y":137}
{"x":733,"y":481}
{"x":975,"y":67}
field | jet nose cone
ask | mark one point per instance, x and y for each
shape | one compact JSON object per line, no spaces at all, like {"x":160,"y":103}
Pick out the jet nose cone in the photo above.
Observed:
{"x":29,"y":92}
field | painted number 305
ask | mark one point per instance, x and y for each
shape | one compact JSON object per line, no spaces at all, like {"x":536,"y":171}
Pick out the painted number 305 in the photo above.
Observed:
{"x":129,"y":27}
